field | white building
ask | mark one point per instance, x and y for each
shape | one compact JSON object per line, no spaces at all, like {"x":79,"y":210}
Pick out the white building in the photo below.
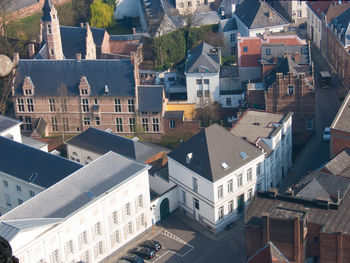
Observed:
{"x":229,"y":29}
{"x":216,"y":173}
{"x":272,"y":134}
{"x":84,"y":217}
{"x":295,"y":10}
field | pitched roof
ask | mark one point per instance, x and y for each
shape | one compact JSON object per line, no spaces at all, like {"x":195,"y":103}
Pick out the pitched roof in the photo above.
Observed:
{"x":342,"y":119}
{"x":336,"y":9}
{"x":212,"y":147}
{"x":341,"y":27}
{"x":268,"y":254}
{"x":7,"y":123}
{"x":229,"y":24}
{"x":101,"y":142}
{"x":79,"y":189}
{"x":255,"y":14}
{"x":201,"y":58}
{"x":318,"y":7}
{"x":116,"y":74}
{"x":339,"y":164}
{"x":150,"y":98}
{"x":46,"y":10}
{"x":33,"y":165}
{"x":277,"y":51}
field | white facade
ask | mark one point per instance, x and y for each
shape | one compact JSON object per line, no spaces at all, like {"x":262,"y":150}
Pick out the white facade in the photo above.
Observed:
{"x":232,"y":100}
{"x":299,"y":10}
{"x":202,"y":87}
{"x":93,"y":232}
{"x":203,"y":203}
{"x":80,"y":155}
{"x":314,"y":27}
{"x":230,"y":38}
{"x":13,"y":133}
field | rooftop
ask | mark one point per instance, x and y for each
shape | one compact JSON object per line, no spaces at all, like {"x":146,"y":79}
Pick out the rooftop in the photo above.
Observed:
{"x":339,"y":164}
{"x":271,"y":51}
{"x":342,"y":119}
{"x":101,"y":142}
{"x":229,"y":24}
{"x":204,"y":58}
{"x":32,"y":165}
{"x":150,"y":98}
{"x":207,"y":153}
{"x":318,"y":7}
{"x":340,"y":26}
{"x":268,"y":254}
{"x":79,"y":189}
{"x":7,"y":123}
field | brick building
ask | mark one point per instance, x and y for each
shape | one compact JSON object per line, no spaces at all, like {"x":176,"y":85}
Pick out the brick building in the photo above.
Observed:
{"x":308,"y":222}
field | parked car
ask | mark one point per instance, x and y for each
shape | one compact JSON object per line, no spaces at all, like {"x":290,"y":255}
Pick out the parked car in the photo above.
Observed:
{"x":325,"y":79}
{"x":326,"y":134}
{"x":143,"y":252}
{"x":132,"y":258}
{"x":152,"y":244}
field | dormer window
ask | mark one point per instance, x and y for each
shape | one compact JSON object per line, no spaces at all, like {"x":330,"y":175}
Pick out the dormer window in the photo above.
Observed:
{"x":189,"y":158}
{"x":84,"y":91}
{"x":290,"y":90}
{"x":224,"y":165}
{"x":28,"y":92}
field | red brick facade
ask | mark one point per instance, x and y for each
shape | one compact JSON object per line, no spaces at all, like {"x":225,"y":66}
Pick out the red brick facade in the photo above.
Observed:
{"x":339,"y":141}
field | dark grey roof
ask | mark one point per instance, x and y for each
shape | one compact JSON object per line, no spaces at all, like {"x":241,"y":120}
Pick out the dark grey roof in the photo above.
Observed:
{"x":19,"y":4}
{"x":6,"y":123}
{"x":150,"y":98}
{"x":229,"y":24}
{"x":101,"y":142}
{"x":342,"y":25}
{"x":255,"y":14}
{"x":22,"y":161}
{"x":79,"y":189}
{"x":277,"y":50}
{"x":46,"y":10}
{"x":201,"y":57}
{"x":126,"y":37}
{"x":48,"y":75}
{"x":174,"y":114}
{"x":340,"y":164}
{"x":210,"y":148}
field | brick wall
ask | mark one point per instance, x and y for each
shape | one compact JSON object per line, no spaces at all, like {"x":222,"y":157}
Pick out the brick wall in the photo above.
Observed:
{"x":181,"y":127}
{"x":339,"y":141}
{"x":253,"y":239}
{"x":256,"y":97}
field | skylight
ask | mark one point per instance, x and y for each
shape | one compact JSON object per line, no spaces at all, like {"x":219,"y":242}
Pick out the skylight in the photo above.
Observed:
{"x":225,"y":165}
{"x":91,"y":195}
{"x":243,"y":155}
{"x":33,"y":177}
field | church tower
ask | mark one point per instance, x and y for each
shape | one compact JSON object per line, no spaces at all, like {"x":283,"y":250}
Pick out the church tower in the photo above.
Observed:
{"x":51,"y":31}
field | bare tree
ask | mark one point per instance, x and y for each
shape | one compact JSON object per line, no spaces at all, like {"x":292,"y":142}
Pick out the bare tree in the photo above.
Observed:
{"x":189,"y":19}
{"x":4,"y":10}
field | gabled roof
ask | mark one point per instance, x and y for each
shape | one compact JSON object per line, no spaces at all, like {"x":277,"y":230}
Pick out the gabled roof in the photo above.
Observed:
{"x":339,"y":164}
{"x":255,"y":14}
{"x":7,"y":123}
{"x":150,"y":98}
{"x":229,"y":25}
{"x":277,"y":51}
{"x":341,"y":27}
{"x":212,"y":147}
{"x":116,"y":74}
{"x":46,"y":10}
{"x":268,"y":254}
{"x":341,"y":121}
{"x":79,"y":189}
{"x":318,"y":7}
{"x":101,"y":142}
{"x":202,"y":57}
{"x":33,"y":165}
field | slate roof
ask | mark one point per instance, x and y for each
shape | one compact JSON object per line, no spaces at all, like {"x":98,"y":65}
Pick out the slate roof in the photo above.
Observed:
{"x":277,"y":50}
{"x":7,"y":123}
{"x":342,"y":25}
{"x":174,"y":114}
{"x":255,"y":14}
{"x":229,"y":25}
{"x":339,"y":164}
{"x":200,"y":57}
{"x":268,"y":254}
{"x":150,"y":98}
{"x":71,"y":194}
{"x":210,"y":148}
{"x":22,"y":161}
{"x":46,"y":10}
{"x":342,"y":119}
{"x":101,"y":142}
{"x":331,"y":219}
{"x":129,"y":37}
{"x":48,"y":75}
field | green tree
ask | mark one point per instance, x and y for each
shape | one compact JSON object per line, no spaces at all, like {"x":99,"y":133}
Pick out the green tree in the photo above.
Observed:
{"x":81,"y":10}
{"x":101,"y":14}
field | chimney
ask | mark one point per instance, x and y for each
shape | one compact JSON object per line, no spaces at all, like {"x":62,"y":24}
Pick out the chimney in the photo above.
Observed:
{"x":78,"y":56}
{"x":81,"y":24}
{"x":15,"y":57}
{"x":31,"y":50}
{"x":238,"y":36}
{"x":296,"y":57}
{"x":264,"y":36}
{"x":134,"y":30}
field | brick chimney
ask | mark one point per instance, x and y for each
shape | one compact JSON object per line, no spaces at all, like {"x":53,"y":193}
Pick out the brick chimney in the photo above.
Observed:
{"x":31,"y":50}
{"x":264,"y":36}
{"x":78,"y":56}
{"x":297,"y":57}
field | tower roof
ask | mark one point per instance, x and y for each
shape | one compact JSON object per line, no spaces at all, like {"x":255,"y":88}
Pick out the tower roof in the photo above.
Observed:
{"x":46,"y":10}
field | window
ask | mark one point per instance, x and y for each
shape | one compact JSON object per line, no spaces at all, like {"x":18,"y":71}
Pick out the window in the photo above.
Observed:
{"x":199,"y":81}
{"x":206,"y":94}
{"x":316,"y":239}
{"x":54,"y":257}
{"x":221,"y":212}
{"x":250,"y":194}
{"x":245,"y":49}
{"x":20,"y":105}
{"x":83,"y":238}
{"x":140,"y":201}
{"x":258,"y":169}
{"x":6,"y":184}
{"x":172,"y":124}
{"x":184,"y":197}
{"x":52,"y":52}
{"x":99,"y":249}
{"x":117,"y":105}
{"x":290,"y":90}
{"x":18,"y":188}
{"x":249,"y":174}
{"x":115,"y":217}
{"x":196,"y":203}
{"x":85,"y":104}
{"x":52,"y":105}
{"x":85,"y":257}
{"x":199,"y":93}
{"x":64,"y":105}
{"x":220,"y":191}
{"x":54,"y":125}
{"x":205,"y":2}
{"x":95,"y":101}
{"x":144,"y":112}
{"x":130,"y":227}
{"x":299,"y":13}
{"x":116,"y":236}
{"x":30,"y":105}
{"x":87,"y":121}
{"x":97,"y":120}
{"x":194,"y":184}
{"x":97,"y":229}
{"x":155,"y":124}
{"x":69,"y":247}
{"x":27,"y":123}
{"x":132,"y":124}
{"x":233,"y":37}
{"x":268,"y":51}
{"x":49,"y":28}
{"x":206,"y":81}
{"x":189,"y":3}
{"x":127,"y":209}
{"x":28,"y":91}
{"x":31,"y":193}
{"x":131,"y":106}
{"x":65,"y":124}
{"x":230,"y":186}
{"x":239,"y":180}
{"x":154,"y":112}
{"x":145,"y":124}
{"x":230,"y":206}
{"x":20,"y":201}
{"x":258,"y":187}
{"x":309,"y":124}
{"x":119,"y":124}
{"x":228,"y":102}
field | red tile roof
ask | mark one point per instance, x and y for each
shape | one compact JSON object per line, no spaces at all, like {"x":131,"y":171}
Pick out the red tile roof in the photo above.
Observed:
{"x":319,"y":6}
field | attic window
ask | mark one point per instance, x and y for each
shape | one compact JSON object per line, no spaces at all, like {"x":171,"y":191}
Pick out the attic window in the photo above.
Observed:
{"x":33,"y":177}
{"x":290,"y":90}
{"x":106,"y":89}
{"x":243,"y":155}
{"x":91,"y":195}
{"x":224,"y":165}
{"x":189,"y":158}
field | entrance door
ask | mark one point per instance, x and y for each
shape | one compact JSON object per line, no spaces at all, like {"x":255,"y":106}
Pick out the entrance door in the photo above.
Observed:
{"x":240,"y":201}
{"x":164,"y":209}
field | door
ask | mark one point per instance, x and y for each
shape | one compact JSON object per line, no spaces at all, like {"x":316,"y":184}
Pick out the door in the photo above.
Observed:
{"x":240,"y":203}
{"x":164,"y":209}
